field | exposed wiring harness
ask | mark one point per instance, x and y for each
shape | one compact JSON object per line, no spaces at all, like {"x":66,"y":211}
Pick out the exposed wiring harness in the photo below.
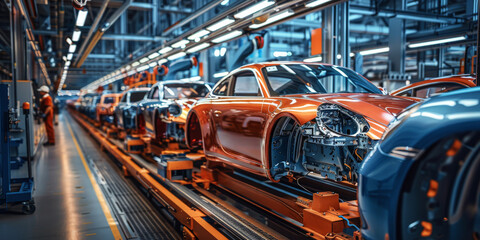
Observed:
{"x":348,"y":222}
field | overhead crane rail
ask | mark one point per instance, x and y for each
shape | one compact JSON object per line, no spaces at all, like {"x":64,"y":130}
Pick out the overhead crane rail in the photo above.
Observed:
{"x":323,"y":215}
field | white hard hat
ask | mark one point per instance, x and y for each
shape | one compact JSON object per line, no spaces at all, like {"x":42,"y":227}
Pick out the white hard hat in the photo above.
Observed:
{"x":43,"y":89}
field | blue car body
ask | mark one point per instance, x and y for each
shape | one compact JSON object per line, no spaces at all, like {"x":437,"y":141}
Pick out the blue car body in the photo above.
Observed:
{"x":386,"y":168}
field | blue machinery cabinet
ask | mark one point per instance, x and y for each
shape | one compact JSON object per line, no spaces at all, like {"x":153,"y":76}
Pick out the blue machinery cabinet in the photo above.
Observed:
{"x":17,"y":190}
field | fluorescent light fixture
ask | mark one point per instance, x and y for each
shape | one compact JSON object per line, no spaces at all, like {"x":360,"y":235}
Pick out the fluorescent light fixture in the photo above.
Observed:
{"x":177,"y":55}
{"x":180,"y":44}
{"x":152,"y":64}
{"x":76,"y":35}
{"x":153,"y":55}
{"x":282,"y":54}
{"x":135,"y":64}
{"x":65,"y":58}
{"x":220,"y":24}
{"x":352,"y":54}
{"x":70,"y":56}
{"x":162,"y":61}
{"x":69,"y":41}
{"x":316,"y":3}
{"x":144,"y":60}
{"x":227,"y":36}
{"x":82,"y":16}
{"x":198,"y":47}
{"x":72,"y":48}
{"x":436,"y":42}
{"x":65,"y":68}
{"x":253,"y":9}
{"x":375,"y":51}
{"x":273,"y":19}
{"x":131,"y":72}
{"x":165,"y":50}
{"x":128,"y":67}
{"x":220,"y":74}
{"x":142,"y":68}
{"x":198,"y":34}
{"x":313,"y":59}
{"x":196,"y":78}
{"x":224,"y":2}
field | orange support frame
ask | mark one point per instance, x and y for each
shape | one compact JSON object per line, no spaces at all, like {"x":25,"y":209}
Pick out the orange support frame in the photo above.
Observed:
{"x":192,"y":219}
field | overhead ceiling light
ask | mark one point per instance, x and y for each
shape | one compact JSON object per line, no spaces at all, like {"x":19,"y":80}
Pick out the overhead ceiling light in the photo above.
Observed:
{"x":177,"y":55}
{"x":69,"y":41}
{"x":165,"y":50}
{"x":82,"y":16}
{"x":220,"y":24}
{"x":316,"y":3}
{"x":153,"y":55}
{"x":273,"y":19}
{"x":253,"y":9}
{"x":128,"y":67}
{"x":76,"y":35}
{"x":375,"y":51}
{"x":142,"y":68}
{"x":70,"y":56}
{"x":282,"y":54}
{"x":72,"y":48}
{"x":144,"y":60}
{"x":198,"y":34}
{"x":313,"y":59}
{"x":64,"y":58}
{"x":180,"y":43}
{"x":152,"y":64}
{"x":220,"y":74}
{"x":135,"y":64}
{"x":198,"y":47}
{"x":227,"y":36}
{"x":436,"y":42}
{"x":162,"y":61}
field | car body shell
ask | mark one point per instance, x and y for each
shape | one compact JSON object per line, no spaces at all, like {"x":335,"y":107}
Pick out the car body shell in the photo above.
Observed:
{"x":151,"y":109}
{"x":237,"y":130}
{"x":105,"y":110}
{"x":125,"y":111}
{"x":383,"y":173}
{"x":428,"y":88}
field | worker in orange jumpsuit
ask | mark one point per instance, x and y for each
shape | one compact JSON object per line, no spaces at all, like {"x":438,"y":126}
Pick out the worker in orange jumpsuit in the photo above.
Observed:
{"x":46,"y":107}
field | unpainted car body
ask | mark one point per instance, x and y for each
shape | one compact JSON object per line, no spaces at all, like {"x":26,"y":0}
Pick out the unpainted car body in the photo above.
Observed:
{"x":278,"y":118}
{"x":125,"y":112}
{"x":163,"y":111}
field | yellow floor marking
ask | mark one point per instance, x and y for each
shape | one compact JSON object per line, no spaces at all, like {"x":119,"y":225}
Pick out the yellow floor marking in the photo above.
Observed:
{"x":103,"y":203}
{"x":90,"y":234}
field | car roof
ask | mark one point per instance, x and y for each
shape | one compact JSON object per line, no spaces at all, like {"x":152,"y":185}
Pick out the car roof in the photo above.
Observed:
{"x":275,"y":63}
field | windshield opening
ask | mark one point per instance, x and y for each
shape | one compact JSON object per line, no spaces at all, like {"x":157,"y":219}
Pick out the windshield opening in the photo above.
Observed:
{"x":178,"y":91}
{"x":137,"y":96}
{"x":287,"y":79}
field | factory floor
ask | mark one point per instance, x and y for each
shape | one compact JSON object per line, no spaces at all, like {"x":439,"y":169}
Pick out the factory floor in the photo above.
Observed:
{"x":74,"y":200}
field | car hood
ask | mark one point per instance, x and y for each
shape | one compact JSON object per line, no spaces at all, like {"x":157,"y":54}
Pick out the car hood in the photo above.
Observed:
{"x":379,"y":110}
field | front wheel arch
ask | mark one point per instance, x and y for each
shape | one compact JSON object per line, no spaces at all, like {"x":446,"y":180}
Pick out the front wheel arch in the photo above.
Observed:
{"x":269,"y":137}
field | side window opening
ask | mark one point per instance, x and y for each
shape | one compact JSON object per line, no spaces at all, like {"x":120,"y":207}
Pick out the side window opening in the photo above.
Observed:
{"x":246,"y":85}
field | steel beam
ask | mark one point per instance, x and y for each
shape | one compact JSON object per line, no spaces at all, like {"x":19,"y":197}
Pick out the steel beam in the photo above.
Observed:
{"x":132,"y":37}
{"x":405,"y":15}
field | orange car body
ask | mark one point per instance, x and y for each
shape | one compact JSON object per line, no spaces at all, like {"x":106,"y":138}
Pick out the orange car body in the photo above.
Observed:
{"x":107,"y":104}
{"x":428,"y":88}
{"x":238,"y":130}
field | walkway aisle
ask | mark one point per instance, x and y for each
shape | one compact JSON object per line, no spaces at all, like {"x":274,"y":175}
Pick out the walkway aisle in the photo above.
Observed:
{"x":68,"y":206}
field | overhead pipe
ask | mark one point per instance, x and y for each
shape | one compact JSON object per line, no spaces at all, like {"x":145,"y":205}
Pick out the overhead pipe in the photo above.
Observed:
{"x":94,"y":26}
{"x":196,"y":14}
{"x":98,"y":35}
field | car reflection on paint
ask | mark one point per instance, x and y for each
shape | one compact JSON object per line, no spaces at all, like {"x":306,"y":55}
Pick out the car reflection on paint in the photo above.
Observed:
{"x":422,"y":180}
{"x":428,"y":88}
{"x":279,"y":118}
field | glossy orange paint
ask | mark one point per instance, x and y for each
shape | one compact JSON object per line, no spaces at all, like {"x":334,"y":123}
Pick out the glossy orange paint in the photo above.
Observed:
{"x":107,"y":108}
{"x":236,"y":130}
{"x":464,"y":80}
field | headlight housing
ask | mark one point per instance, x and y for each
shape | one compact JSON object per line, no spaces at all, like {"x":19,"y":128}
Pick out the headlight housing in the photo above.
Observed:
{"x":335,"y":121}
